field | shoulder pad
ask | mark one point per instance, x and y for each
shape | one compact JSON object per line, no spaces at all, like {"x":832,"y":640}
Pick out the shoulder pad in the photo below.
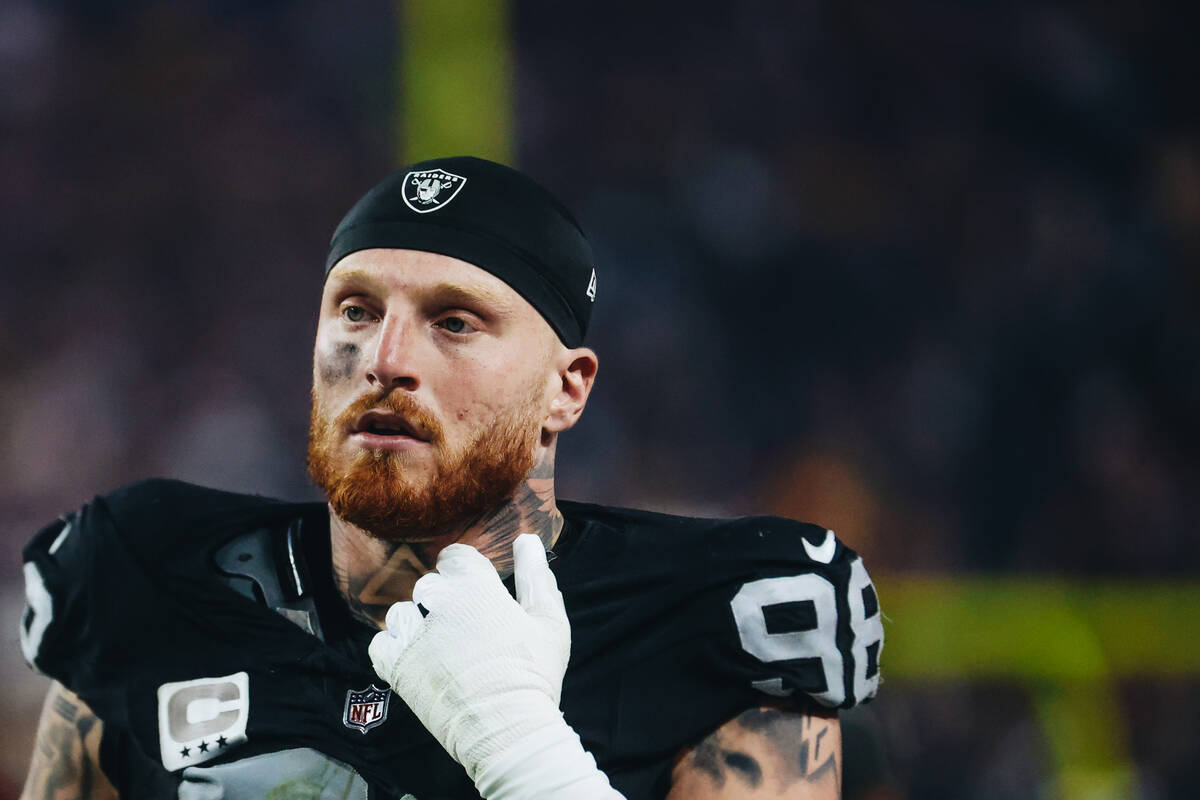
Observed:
{"x":95,"y":577}
{"x":143,"y":511}
{"x":804,"y":612}
{"x":267,"y":565}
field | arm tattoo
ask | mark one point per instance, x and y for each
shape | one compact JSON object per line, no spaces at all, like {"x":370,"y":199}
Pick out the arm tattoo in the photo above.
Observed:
{"x":716,"y":760}
{"x":769,"y":749}
{"x":63,"y":759}
{"x":815,"y":762}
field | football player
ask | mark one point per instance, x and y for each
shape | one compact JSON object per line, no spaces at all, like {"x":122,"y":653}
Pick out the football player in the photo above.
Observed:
{"x":444,"y":626}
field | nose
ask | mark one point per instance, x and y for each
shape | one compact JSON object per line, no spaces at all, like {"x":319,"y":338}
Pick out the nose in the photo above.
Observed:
{"x":393,"y":364}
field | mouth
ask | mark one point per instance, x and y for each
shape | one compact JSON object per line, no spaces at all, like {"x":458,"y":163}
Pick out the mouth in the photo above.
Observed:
{"x":387,"y":425}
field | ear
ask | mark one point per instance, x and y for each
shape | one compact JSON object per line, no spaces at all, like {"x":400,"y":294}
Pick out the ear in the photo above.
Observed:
{"x":575,"y":375}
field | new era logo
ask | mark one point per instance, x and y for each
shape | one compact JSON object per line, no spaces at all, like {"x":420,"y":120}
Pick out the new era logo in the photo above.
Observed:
{"x":591,"y":290}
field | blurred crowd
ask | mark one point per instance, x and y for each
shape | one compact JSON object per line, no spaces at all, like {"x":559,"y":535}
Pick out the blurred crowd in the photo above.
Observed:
{"x":927,"y":272}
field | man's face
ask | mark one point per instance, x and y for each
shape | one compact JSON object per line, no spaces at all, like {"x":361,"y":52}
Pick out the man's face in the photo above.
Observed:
{"x":431,"y":382}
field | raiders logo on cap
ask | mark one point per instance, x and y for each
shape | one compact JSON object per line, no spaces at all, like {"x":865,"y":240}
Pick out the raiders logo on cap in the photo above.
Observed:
{"x":431,"y":189}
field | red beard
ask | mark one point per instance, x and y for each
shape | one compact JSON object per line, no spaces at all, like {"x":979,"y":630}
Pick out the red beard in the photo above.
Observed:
{"x":373,"y":492}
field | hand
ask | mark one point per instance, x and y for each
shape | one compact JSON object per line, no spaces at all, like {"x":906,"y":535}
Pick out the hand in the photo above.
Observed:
{"x":482,"y":672}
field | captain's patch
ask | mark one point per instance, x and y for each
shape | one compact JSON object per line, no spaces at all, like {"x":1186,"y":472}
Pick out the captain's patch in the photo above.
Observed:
{"x":200,"y":719}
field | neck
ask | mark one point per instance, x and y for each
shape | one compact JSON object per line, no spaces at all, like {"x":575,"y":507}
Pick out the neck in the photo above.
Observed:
{"x":373,"y":573}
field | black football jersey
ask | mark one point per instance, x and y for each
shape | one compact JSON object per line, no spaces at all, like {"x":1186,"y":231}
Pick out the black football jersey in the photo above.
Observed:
{"x":205,"y":630}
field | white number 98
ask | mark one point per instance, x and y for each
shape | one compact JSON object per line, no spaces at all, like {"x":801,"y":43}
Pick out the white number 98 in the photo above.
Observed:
{"x":815,"y":641}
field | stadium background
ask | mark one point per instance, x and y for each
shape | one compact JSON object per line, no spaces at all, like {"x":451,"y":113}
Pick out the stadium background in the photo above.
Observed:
{"x":925,"y":272}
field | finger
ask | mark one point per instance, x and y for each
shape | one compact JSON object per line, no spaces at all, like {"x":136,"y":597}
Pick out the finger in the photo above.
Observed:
{"x":537,"y":589}
{"x":385,"y":652}
{"x":461,"y":559}
{"x":403,"y":621}
{"x":429,"y":590}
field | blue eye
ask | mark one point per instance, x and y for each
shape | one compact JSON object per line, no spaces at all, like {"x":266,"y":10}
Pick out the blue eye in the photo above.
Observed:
{"x":354,"y":313}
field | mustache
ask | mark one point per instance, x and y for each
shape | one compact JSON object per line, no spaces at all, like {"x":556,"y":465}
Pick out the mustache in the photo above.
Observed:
{"x":399,"y":403}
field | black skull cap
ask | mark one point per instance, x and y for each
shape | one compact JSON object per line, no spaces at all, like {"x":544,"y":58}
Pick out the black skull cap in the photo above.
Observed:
{"x":490,"y":215}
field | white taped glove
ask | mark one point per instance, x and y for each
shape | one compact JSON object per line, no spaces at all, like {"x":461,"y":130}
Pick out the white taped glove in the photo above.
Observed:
{"x":483,"y":673}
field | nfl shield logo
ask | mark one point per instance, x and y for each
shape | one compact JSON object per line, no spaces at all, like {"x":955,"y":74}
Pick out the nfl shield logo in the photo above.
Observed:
{"x":366,"y":708}
{"x":431,"y":189}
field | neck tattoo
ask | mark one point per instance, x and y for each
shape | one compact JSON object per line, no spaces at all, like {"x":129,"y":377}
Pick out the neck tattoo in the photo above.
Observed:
{"x":371,"y":574}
